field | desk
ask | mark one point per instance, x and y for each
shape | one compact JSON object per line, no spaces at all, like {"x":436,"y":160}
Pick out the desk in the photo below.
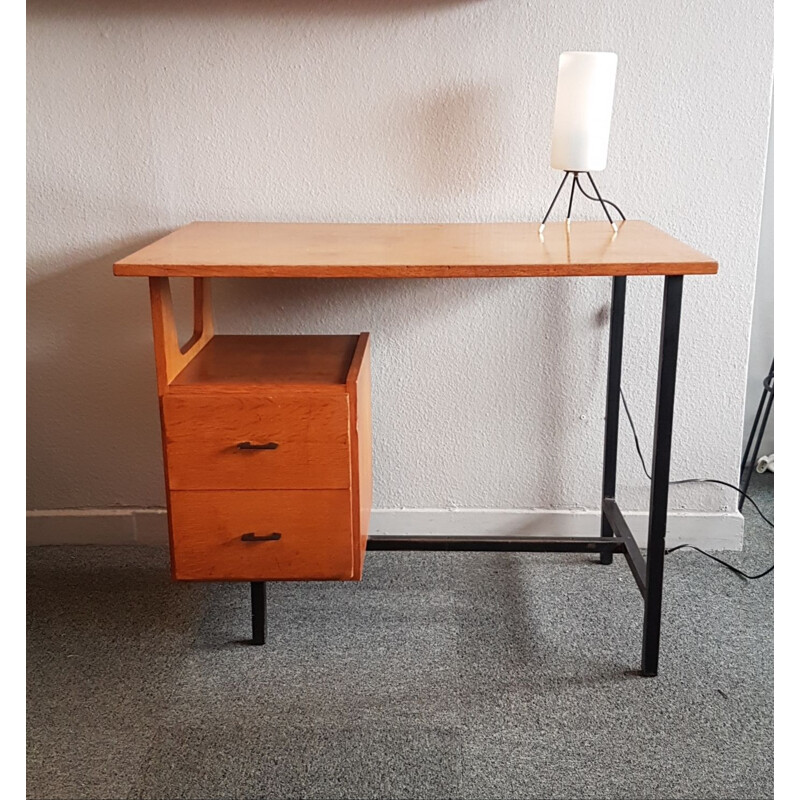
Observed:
{"x":205,"y":250}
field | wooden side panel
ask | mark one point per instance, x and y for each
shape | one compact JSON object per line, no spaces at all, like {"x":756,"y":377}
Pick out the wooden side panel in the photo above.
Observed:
{"x":166,"y":483}
{"x":171,"y":358}
{"x":309,"y":432}
{"x":359,"y":387}
{"x":314,"y":527}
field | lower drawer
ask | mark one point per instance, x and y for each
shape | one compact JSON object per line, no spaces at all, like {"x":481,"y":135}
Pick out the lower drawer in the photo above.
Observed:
{"x":264,"y":535}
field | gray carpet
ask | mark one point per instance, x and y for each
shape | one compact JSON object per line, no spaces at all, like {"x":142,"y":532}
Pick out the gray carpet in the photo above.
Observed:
{"x":438,"y":676}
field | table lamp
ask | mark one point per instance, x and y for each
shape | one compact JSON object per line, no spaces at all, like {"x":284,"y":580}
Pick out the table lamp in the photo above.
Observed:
{"x":582,"y":122}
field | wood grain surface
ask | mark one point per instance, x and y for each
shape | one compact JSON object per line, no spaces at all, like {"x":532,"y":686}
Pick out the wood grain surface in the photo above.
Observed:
{"x":315,"y":535}
{"x":171,"y":357}
{"x":359,"y":391}
{"x":456,"y":250}
{"x":311,"y":434}
{"x":247,"y":363}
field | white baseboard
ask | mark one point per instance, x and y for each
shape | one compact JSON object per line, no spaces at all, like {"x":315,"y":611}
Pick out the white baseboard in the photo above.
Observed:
{"x":97,"y":526}
{"x":148,"y":526}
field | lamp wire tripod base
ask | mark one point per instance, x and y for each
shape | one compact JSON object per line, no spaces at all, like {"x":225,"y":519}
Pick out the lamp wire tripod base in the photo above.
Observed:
{"x":577,"y":182}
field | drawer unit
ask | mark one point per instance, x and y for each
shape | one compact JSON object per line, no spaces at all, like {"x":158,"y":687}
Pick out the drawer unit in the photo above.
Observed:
{"x":267,"y":455}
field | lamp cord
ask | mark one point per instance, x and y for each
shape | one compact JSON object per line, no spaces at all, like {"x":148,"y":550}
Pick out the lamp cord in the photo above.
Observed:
{"x":698,"y":480}
{"x":597,"y":199}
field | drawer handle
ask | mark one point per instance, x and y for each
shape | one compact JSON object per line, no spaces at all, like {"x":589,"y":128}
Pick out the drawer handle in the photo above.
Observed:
{"x":251,"y":537}
{"x":251,"y":446}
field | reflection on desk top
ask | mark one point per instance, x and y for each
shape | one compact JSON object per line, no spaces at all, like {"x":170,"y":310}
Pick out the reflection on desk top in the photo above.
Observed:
{"x":452,"y":250}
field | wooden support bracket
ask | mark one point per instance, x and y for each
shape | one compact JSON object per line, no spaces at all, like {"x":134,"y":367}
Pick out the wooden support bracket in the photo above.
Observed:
{"x":171,"y":357}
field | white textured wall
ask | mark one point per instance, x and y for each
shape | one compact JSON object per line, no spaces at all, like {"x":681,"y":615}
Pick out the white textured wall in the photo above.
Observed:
{"x":762,"y":340}
{"x":144,"y":116}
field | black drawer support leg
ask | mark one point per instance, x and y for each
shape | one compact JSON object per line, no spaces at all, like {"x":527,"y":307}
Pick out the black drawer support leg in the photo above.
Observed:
{"x":258,"y":601}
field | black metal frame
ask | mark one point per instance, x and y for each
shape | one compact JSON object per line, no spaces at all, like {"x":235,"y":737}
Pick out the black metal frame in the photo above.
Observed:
{"x":258,"y":607}
{"x":615,"y":535}
{"x":749,"y":459}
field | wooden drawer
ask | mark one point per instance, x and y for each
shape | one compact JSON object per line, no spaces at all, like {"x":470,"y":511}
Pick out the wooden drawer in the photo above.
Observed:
{"x":208,"y":439}
{"x":311,"y":535}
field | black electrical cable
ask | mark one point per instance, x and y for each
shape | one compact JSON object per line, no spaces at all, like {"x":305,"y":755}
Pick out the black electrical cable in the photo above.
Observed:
{"x":597,"y":199}
{"x":724,"y":563}
{"x":685,"y":480}
{"x":698,"y":480}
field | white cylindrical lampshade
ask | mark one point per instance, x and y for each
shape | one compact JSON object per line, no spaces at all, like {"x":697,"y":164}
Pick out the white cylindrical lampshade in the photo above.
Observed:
{"x":582,"y":121}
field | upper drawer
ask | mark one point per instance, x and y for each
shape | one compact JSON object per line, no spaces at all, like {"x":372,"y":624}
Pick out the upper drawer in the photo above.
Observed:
{"x":257,"y":441}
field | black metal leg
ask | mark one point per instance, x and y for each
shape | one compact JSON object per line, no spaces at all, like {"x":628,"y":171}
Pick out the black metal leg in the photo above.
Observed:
{"x":558,"y":192}
{"x":258,"y":601}
{"x":615,"y":339}
{"x":756,"y":450}
{"x":602,"y":202}
{"x":659,"y":487}
{"x":748,"y":459}
{"x":746,"y":454}
{"x":572,"y":194}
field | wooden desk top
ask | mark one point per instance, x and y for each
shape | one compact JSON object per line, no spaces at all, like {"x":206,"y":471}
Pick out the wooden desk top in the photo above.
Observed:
{"x":456,"y":250}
